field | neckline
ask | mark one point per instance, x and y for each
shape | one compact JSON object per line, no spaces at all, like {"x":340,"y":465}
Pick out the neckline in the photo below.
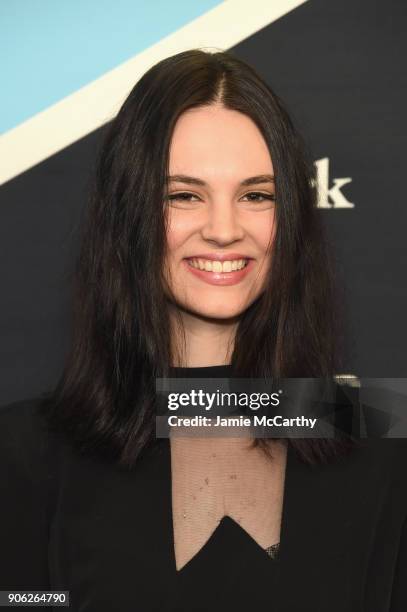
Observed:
{"x":227,"y":521}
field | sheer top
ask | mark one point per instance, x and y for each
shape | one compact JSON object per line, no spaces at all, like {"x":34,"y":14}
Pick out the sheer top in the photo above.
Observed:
{"x":214,"y":477}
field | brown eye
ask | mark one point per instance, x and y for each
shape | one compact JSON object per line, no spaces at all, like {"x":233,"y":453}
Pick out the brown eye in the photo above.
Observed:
{"x":180,"y":197}
{"x":256,"y":196}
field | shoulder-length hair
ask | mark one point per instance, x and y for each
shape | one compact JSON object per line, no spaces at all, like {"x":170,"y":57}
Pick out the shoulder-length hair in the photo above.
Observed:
{"x":105,"y":399}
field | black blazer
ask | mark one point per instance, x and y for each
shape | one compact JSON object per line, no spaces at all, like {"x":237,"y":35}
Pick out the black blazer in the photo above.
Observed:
{"x":76,"y":523}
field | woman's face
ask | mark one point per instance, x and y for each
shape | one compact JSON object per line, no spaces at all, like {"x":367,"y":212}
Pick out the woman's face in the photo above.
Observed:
{"x":221,"y":212}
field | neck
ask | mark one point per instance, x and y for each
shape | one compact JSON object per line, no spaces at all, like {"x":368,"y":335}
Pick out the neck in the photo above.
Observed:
{"x":208,"y":342}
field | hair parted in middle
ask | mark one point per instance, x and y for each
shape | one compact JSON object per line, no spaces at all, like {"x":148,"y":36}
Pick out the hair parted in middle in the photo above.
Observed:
{"x":121,"y":333}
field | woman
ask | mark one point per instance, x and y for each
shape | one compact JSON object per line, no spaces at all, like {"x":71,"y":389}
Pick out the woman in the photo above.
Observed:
{"x":202,"y":256}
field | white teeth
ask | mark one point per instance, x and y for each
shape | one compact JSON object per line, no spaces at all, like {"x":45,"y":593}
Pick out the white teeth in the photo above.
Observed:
{"x":218,"y":266}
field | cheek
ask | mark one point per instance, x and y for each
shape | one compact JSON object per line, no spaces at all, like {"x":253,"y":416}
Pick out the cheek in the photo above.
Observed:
{"x":262,"y":228}
{"x":179,"y":228}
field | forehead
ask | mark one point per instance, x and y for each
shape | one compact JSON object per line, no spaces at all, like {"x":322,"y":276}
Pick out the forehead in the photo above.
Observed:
{"x":214,"y":142}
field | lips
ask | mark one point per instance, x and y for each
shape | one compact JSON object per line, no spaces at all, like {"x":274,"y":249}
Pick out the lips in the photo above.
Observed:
{"x":216,"y":274}
{"x":219,"y":256}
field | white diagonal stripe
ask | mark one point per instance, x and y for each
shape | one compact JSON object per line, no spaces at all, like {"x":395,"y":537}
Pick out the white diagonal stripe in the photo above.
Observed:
{"x":91,"y":106}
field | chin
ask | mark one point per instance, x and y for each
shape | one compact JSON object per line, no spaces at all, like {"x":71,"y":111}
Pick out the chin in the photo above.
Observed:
{"x":216,"y":310}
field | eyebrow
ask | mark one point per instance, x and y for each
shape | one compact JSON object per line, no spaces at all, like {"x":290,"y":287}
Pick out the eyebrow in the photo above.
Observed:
{"x":192,"y":180}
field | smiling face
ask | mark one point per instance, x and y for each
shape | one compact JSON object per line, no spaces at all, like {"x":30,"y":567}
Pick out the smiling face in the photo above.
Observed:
{"x":221,"y":212}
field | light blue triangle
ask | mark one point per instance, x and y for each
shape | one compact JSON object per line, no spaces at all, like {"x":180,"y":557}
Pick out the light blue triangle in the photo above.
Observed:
{"x":49,"y":48}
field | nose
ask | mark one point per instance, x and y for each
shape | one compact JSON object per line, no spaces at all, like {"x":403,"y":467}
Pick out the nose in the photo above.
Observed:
{"x":222,"y":225}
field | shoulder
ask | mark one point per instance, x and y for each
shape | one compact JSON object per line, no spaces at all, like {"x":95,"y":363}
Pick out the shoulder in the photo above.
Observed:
{"x":21,"y":422}
{"x":377,"y":468}
{"x":27,"y":448}
{"x":391,"y":453}
{"x":378,"y":443}
{"x":21,"y":416}
{"x":29,"y":472}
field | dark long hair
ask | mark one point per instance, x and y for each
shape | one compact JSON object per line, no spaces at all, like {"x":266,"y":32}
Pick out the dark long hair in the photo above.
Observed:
{"x":105,"y":399}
